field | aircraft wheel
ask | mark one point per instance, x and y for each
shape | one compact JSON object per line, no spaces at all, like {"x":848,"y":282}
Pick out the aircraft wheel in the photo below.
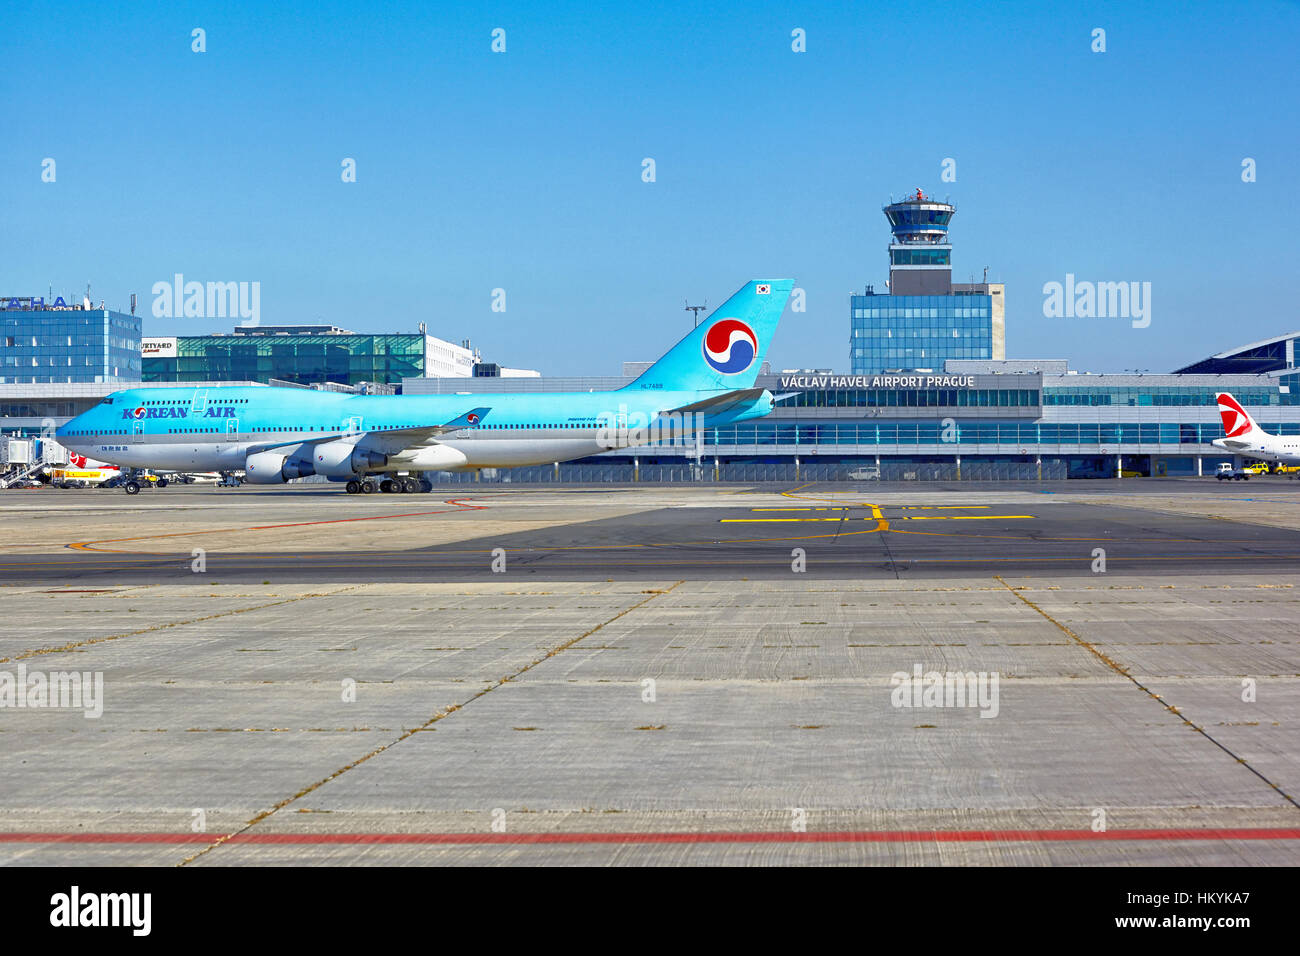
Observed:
{"x":426,"y":485}
{"x":411,"y":485}
{"x":353,"y":487}
{"x":386,"y":486}
{"x":367,"y":487}
{"x":132,"y":487}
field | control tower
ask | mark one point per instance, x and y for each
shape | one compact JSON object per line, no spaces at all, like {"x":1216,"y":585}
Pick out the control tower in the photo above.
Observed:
{"x":925,"y":319}
{"x":920,"y":257}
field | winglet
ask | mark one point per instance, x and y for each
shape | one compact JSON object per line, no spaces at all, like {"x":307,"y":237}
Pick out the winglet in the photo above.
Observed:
{"x":470,"y":419}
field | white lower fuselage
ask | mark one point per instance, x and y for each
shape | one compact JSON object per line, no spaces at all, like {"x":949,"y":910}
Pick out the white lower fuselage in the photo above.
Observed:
{"x":1263,"y":446}
{"x":498,"y":450}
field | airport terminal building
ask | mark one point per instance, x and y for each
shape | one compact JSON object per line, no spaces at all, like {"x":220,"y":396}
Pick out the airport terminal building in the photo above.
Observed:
{"x":930,"y":394}
{"x":53,"y":341}
{"x":925,"y":319}
{"x":974,"y":419}
{"x":304,"y":355}
{"x":977,"y":419}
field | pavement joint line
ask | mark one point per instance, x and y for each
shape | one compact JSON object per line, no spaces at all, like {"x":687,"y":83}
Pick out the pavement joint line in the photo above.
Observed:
{"x":89,"y":642}
{"x":1124,"y":672}
{"x":672,"y":836}
{"x":266,"y":814}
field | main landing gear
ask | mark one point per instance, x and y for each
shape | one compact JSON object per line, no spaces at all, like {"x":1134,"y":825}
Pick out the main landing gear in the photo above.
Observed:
{"x":407,"y":484}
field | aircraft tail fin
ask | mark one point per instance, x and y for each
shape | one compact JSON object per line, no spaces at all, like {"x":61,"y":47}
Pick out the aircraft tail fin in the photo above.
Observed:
{"x":727,"y":349}
{"x":1236,"y":420}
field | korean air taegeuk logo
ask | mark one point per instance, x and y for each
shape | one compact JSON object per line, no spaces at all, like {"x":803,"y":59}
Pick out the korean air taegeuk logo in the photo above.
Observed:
{"x":730,"y":346}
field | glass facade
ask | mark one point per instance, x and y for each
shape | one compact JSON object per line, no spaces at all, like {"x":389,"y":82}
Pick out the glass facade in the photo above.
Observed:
{"x":914,"y":398}
{"x":301,"y":359}
{"x":1168,"y":395}
{"x":1032,"y":436}
{"x":919,"y":256}
{"x":68,"y":345}
{"x":918,"y":331}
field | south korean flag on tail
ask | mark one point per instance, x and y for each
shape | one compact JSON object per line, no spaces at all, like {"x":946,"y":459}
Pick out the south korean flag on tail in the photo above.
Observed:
{"x":763,"y":289}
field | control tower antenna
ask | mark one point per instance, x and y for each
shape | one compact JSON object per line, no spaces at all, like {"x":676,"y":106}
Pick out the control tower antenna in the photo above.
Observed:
{"x":697,"y":309}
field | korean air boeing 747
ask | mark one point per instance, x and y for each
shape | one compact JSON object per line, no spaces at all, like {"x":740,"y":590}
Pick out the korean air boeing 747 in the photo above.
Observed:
{"x":276,"y":434}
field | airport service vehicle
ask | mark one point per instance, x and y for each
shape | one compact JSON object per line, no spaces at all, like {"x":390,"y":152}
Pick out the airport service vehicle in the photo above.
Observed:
{"x":1243,"y":437}
{"x":83,"y":472}
{"x":132,"y":482}
{"x":275,"y":435}
{"x":1257,"y":468}
{"x":869,"y":473}
{"x":1227,"y":472}
{"x":195,"y":478}
{"x":133,"y":485}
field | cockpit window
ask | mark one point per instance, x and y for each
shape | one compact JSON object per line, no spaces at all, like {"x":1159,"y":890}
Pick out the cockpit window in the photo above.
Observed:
{"x":107,"y":401}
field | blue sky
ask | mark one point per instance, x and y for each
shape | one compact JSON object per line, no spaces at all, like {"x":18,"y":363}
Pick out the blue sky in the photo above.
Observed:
{"x":522,"y":170}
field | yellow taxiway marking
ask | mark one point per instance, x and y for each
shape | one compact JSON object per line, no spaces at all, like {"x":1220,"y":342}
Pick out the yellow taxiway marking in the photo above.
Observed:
{"x":798,"y":509}
{"x":940,"y":507}
{"x":764,"y":520}
{"x":959,"y":517}
{"x":875,"y":517}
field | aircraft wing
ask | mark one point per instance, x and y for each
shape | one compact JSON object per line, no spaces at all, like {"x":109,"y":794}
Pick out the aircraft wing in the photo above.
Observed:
{"x":394,"y":439}
{"x":720,"y":403}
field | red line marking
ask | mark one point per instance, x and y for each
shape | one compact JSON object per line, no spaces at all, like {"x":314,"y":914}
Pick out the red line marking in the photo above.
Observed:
{"x":849,"y":836}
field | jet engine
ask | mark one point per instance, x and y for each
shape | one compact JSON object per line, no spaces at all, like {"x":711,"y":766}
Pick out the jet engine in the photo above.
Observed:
{"x":341,"y":459}
{"x":272,"y":468}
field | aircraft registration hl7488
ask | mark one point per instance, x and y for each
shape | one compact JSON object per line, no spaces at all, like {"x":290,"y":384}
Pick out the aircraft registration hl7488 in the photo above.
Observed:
{"x":277,"y":434}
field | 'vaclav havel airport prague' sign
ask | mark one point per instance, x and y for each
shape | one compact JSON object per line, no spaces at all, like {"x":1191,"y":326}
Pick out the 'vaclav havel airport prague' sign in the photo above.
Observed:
{"x":877,"y":381}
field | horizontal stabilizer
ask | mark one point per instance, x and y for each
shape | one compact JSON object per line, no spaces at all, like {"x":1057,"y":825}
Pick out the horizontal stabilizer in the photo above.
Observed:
{"x":722,"y":402}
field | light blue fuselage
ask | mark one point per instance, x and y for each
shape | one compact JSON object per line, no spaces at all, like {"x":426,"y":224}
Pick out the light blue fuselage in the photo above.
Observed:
{"x":213,"y":429}
{"x":278,"y":434}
